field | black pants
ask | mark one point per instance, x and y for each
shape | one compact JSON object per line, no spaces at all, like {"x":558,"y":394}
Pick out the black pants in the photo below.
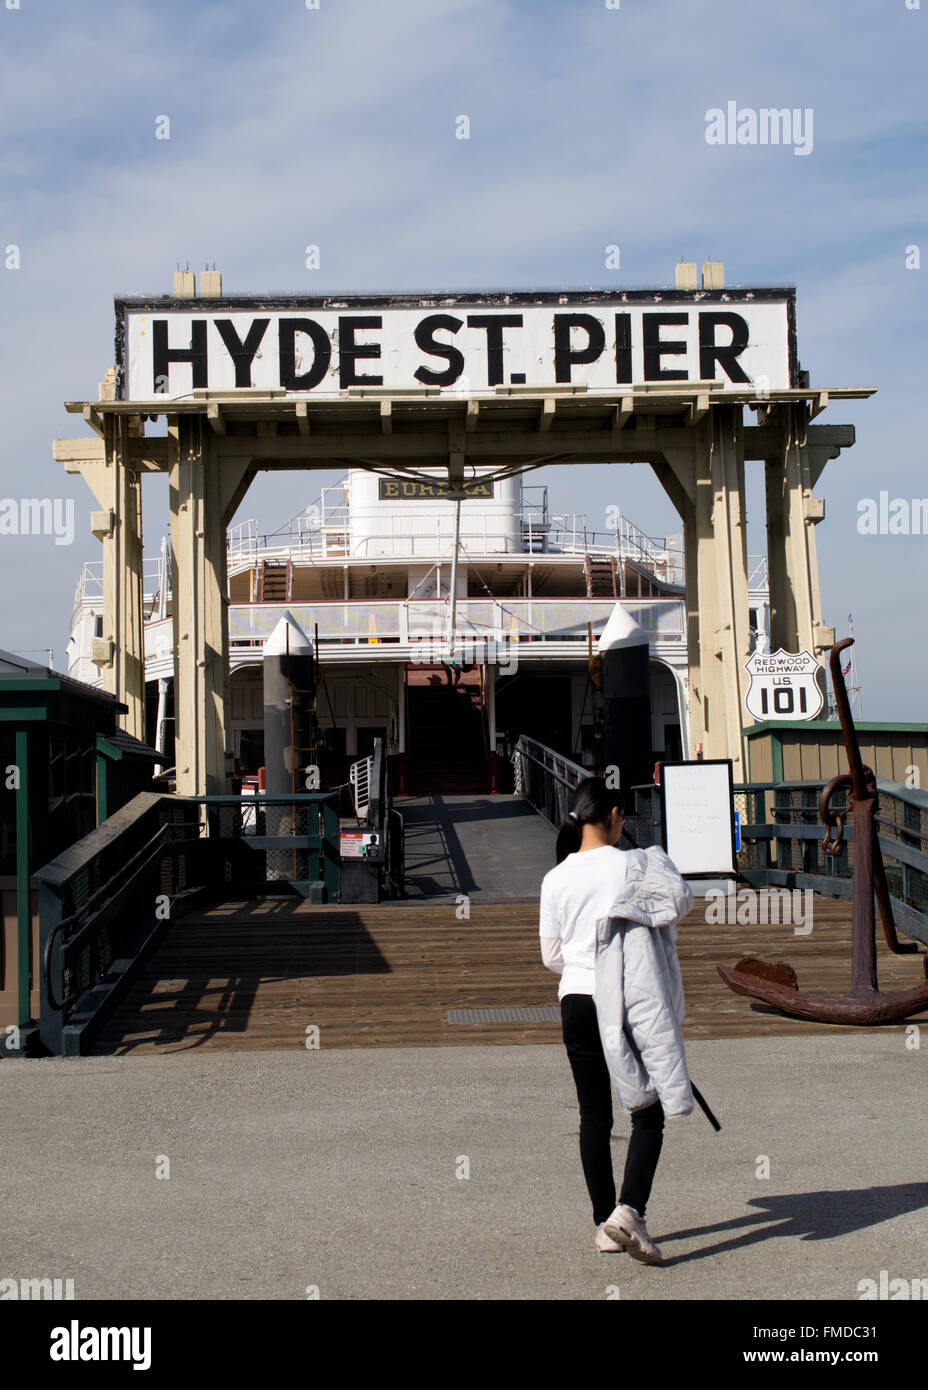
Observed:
{"x":594,"y":1093}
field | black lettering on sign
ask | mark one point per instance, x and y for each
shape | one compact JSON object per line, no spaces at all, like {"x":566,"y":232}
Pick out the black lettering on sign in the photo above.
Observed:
{"x":242,"y":353}
{"x":322,"y":354}
{"x":425,"y":339}
{"x":410,"y":490}
{"x":162,"y":356}
{"x":623,"y":349}
{"x":494,"y":325}
{"x":711,"y":352}
{"x":564,"y":355}
{"x":349,"y":351}
{"x":654,"y":349}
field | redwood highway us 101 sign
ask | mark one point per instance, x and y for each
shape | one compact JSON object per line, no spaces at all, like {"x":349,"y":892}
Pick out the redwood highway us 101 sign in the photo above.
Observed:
{"x":784,"y":685}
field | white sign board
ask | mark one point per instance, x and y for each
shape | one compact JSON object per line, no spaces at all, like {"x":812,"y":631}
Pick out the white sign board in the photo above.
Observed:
{"x":698,"y":816}
{"x":784,"y":685}
{"x":459,"y":343}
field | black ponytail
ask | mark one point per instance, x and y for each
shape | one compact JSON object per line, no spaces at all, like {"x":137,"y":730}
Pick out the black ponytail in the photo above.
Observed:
{"x":591,"y":804}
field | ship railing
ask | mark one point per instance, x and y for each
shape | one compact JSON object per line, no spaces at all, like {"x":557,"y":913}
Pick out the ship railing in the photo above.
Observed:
{"x":90,"y":582}
{"x":757,"y":573}
{"x":424,"y":622}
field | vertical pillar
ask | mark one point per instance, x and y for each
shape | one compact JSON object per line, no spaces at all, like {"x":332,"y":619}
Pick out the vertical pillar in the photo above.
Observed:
{"x":117,"y":487}
{"x":792,"y":562}
{"x":129,"y":637}
{"x":204,"y":491}
{"x":705,"y":481}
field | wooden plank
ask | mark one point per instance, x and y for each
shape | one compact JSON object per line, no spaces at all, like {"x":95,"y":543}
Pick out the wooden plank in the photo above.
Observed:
{"x":256,"y":976}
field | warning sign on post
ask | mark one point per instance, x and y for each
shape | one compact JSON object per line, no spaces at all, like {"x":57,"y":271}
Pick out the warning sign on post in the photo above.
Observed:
{"x":784,"y":685}
{"x":359,"y":844}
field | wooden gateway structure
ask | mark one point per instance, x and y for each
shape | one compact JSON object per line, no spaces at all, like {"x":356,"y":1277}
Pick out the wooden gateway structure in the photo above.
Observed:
{"x":455,"y":387}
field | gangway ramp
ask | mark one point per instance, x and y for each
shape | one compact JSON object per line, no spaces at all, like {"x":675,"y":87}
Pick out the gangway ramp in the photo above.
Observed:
{"x":489,"y":848}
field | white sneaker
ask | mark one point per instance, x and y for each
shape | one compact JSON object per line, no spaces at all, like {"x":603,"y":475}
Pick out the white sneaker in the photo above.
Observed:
{"x":605,"y":1244}
{"x":627,"y":1228}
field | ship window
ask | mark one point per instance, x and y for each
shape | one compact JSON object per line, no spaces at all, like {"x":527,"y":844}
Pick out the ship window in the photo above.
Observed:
{"x":98,"y":624}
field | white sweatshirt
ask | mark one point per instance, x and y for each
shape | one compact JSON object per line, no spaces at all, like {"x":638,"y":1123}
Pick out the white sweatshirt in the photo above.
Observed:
{"x":575,"y":895}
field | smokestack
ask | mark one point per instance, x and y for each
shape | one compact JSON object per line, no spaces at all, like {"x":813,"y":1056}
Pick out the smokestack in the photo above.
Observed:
{"x":289,"y":685}
{"x":626,"y":678}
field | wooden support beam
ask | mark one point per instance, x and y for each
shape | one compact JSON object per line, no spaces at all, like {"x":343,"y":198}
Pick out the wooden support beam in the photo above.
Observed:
{"x":92,"y":418}
{"x":78,"y":451}
{"x":548,"y":410}
{"x":386,"y":417}
{"x":699,"y":408}
{"x":473,"y":411}
{"x":215,"y":417}
{"x":620,"y":413}
{"x":766,"y":441}
{"x":817,"y":405}
{"x":302,"y":417}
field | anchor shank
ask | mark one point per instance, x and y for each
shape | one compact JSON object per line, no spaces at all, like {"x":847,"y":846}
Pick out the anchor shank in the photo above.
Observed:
{"x":863,"y":956}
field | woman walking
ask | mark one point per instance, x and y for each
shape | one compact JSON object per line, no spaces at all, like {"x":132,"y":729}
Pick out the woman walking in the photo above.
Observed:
{"x":608,"y":928}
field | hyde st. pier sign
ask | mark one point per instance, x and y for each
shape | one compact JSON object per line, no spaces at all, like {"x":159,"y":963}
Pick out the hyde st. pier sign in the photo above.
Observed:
{"x":326,"y":347}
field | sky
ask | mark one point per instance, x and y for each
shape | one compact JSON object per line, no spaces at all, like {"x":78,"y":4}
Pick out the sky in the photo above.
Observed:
{"x":335,"y":126}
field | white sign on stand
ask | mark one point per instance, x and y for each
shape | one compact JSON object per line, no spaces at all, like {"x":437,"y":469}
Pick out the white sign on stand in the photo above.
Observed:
{"x":697,"y":814}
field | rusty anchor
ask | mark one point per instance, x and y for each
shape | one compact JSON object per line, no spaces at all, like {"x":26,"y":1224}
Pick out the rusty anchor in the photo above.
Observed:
{"x":865,"y":1003}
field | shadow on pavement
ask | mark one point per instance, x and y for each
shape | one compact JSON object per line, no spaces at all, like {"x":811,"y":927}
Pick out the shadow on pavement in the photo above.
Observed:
{"x":808,"y":1215}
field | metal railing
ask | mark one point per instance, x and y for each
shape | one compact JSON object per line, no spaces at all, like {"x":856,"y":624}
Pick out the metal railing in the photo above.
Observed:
{"x":102,"y":905}
{"x":106,"y":902}
{"x":259,"y":840}
{"x":502,"y":620}
{"x":359,"y":775}
{"x":781,"y":843}
{"x":547,"y":779}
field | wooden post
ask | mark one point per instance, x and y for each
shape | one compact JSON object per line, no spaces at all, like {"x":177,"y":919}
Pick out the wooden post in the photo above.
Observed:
{"x":792,"y":514}
{"x":705,"y":482}
{"x":205,"y":489}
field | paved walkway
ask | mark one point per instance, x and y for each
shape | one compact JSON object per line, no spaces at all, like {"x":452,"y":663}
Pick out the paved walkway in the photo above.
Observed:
{"x":338,"y":1169}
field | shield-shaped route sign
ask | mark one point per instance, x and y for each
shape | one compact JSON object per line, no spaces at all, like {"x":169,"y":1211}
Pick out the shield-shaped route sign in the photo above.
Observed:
{"x":783,"y":685}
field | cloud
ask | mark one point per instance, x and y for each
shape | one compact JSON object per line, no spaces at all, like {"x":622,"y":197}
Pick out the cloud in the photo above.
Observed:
{"x":336,"y":127}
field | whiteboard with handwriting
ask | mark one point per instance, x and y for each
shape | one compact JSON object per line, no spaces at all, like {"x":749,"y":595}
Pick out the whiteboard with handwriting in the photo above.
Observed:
{"x":698,"y":816}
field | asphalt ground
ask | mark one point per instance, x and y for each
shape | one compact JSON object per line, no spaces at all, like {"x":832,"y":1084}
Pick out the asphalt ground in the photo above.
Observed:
{"x":454,"y":1173}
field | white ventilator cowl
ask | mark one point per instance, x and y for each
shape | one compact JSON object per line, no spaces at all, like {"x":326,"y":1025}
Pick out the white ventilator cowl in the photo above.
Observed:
{"x":621,"y":631}
{"x":288,"y":627}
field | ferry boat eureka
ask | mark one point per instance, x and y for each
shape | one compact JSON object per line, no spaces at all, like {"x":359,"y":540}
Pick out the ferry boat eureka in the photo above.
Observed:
{"x":446,"y":628}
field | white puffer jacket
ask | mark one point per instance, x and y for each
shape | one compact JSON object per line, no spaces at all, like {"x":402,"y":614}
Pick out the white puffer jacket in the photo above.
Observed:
{"x":639,"y":988}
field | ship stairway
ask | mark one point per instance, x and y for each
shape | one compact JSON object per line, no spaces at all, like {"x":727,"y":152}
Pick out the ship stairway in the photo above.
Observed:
{"x":600,"y":576}
{"x":275,"y":581}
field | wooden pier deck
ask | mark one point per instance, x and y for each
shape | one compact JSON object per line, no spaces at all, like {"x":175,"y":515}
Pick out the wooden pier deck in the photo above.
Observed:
{"x":257,"y":975}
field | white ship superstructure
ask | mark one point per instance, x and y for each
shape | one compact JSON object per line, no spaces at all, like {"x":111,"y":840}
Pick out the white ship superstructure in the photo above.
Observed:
{"x":447,"y":629}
